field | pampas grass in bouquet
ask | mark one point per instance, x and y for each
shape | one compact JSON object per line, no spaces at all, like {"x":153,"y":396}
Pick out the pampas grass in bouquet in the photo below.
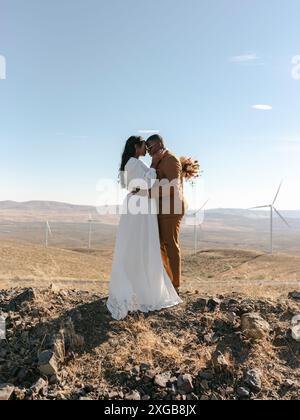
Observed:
{"x":190,"y":168}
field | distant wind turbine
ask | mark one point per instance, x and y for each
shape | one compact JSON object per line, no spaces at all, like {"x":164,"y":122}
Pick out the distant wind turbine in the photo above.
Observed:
{"x":90,"y":221}
{"x":47,"y":233}
{"x":272,"y":210}
{"x":196,"y":225}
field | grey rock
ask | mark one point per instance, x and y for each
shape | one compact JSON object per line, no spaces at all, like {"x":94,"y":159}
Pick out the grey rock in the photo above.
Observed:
{"x":133,"y":395}
{"x":243,"y":392}
{"x":27,"y":296}
{"x":6,"y":391}
{"x":219,"y":361}
{"x":202,"y":304}
{"x":47,"y":363}
{"x":145,"y":366}
{"x":136,"y":370}
{"x":149,"y":375}
{"x":185,"y":383}
{"x":253,"y":378}
{"x":39,"y":386}
{"x":213,"y":304}
{"x":162,"y":379}
{"x":89,"y":388}
{"x":294,"y":295}
{"x":113,"y":395}
{"x":254,"y":326}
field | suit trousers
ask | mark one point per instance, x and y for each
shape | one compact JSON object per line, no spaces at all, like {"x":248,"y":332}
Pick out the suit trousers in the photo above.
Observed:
{"x":169,"y":230}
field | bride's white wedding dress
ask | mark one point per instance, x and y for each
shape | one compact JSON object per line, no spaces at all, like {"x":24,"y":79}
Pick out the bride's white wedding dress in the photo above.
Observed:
{"x":139,"y":280}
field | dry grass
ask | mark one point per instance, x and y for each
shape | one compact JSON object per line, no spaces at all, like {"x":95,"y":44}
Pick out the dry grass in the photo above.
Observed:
{"x":211,"y":271}
{"x":140,"y":341}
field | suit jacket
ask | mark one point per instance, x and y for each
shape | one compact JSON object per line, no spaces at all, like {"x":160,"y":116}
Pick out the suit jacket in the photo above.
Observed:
{"x":170,"y":198}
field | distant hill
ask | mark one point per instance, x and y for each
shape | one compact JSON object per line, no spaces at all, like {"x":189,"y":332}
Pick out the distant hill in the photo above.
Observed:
{"x":32,"y":211}
{"x":37,"y":211}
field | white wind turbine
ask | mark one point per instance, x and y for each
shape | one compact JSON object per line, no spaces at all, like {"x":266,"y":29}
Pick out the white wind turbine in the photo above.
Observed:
{"x":272,"y":209}
{"x":196,"y":225}
{"x":90,"y":221}
{"x":47,"y":233}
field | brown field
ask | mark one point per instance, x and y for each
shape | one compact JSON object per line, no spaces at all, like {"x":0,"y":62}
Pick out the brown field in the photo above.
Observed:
{"x":233,"y":249}
{"x":210,"y":271}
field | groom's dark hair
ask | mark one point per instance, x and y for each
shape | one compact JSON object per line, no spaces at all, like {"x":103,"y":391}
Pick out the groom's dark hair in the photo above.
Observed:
{"x":157,"y":138}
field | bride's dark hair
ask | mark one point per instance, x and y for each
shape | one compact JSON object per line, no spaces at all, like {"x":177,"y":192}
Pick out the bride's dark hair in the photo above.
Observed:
{"x":128,"y":153}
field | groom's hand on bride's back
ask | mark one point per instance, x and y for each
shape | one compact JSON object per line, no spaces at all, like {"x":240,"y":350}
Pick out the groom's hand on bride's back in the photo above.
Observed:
{"x":141,"y":193}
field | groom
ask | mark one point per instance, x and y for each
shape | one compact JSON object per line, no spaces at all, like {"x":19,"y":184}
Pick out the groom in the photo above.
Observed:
{"x":168,"y":167}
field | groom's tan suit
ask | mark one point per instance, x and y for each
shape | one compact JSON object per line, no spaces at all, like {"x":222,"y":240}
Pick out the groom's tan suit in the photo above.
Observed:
{"x":171,"y":212}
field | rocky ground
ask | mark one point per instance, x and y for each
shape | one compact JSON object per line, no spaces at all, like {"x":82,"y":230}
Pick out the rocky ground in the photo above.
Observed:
{"x":63,"y":344}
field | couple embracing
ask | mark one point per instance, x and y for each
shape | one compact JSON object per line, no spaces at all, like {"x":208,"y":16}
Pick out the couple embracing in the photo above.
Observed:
{"x":147,"y":260}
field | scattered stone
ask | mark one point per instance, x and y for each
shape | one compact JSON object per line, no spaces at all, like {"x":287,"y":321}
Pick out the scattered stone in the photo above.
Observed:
{"x":54,"y":288}
{"x":254,"y":326}
{"x":185,"y":384}
{"x":136,"y":370}
{"x":162,"y":379}
{"x":145,"y":366}
{"x":213,"y":304}
{"x":54,"y":379}
{"x":211,"y":338}
{"x":39,"y":386}
{"x":27,"y":296}
{"x":219,"y":361}
{"x":193,"y":396}
{"x":231,"y":317}
{"x":112,"y":395}
{"x":294,"y":295}
{"x":288,"y":383}
{"x":243,"y":392}
{"x":133,"y":395}
{"x":253,"y":378}
{"x":150,"y":375}
{"x":89,"y":388}
{"x":19,"y":394}
{"x":47,"y":363}
{"x":202,"y":304}
{"x":6,"y":391}
{"x":296,"y":332}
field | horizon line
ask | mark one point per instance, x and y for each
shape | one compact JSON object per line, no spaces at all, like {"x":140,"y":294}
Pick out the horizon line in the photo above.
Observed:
{"x":111,"y":205}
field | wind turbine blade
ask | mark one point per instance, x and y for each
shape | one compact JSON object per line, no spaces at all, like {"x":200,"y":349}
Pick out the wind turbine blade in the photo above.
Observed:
{"x":260,"y":207}
{"x":49,"y":228}
{"x":204,"y":205}
{"x":281,"y":217}
{"x":276,"y":196}
{"x":201,"y":208}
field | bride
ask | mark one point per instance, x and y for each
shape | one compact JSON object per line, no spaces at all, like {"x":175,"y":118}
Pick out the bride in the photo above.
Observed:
{"x":138,"y":279}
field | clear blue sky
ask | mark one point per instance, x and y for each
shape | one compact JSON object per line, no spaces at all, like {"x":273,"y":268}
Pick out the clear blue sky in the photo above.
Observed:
{"x":83,"y":75}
